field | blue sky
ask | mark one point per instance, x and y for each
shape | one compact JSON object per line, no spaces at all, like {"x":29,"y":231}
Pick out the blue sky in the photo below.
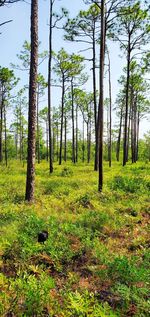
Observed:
{"x":15,"y":33}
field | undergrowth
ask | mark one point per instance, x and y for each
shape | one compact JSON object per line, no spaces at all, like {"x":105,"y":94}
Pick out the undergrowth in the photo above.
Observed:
{"x":96,"y":259}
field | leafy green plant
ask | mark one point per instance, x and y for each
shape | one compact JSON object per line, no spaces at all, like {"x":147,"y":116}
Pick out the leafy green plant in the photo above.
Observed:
{"x":67,"y":171}
{"x":85,"y":304}
{"x":127,"y":184}
{"x":84,"y":200}
{"x":31,"y":294}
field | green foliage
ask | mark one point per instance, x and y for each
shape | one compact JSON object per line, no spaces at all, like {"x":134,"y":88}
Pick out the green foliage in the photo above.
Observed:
{"x":126,"y":271}
{"x":80,"y":305}
{"x":67,"y":171}
{"x":127,"y":184}
{"x":84,"y":200}
{"x":28,"y":295}
{"x":95,"y":261}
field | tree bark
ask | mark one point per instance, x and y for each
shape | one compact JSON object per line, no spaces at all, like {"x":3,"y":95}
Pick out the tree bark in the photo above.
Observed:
{"x":101,"y":97}
{"x":128,"y":135}
{"x":5,"y":127}
{"x":73,"y":134}
{"x":119,"y":136}
{"x":49,"y":89}
{"x":30,"y":181}
{"x":110,"y":114}
{"x":95,"y":102}
{"x":1,"y":128}
{"x":65,"y":145}
{"x":127,"y":106}
{"x":57,"y":141}
{"x":137,"y":142}
{"x":47,"y":140}
{"x":62,"y":119}
{"x":76,"y":133}
{"x":38,"y":134}
{"x":83,"y":146}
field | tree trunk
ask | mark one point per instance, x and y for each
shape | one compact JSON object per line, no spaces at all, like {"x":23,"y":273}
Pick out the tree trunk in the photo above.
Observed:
{"x":83,"y":146}
{"x":30,"y":182}
{"x":132,"y":125}
{"x":73,"y":134}
{"x":54,"y":142}
{"x":5,"y":127}
{"x":38,"y":134}
{"x":128,"y":135}
{"x":1,"y":127}
{"x":119,"y":136}
{"x":62,"y":119}
{"x":47,"y":140}
{"x":65,"y":145}
{"x":16,"y":138}
{"x":76,"y":133}
{"x":49,"y":89}
{"x":137,"y":142}
{"x":95,"y":103}
{"x":127,"y":106}
{"x":101,"y":97}
{"x":88,"y":159}
{"x":110,"y":117}
{"x":22,"y":144}
{"x":135,"y":130}
{"x":57,"y":142}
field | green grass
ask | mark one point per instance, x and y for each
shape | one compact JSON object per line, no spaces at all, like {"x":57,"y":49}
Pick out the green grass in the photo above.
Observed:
{"x":95,"y":261}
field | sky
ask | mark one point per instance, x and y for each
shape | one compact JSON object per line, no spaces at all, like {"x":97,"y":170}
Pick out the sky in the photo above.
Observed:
{"x":15,"y":33}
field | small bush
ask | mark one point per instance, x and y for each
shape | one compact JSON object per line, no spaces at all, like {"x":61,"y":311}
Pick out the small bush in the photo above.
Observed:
{"x":66,"y":172}
{"x":28,"y":295}
{"x":51,"y":187}
{"x":127,"y":184}
{"x":84,"y":200}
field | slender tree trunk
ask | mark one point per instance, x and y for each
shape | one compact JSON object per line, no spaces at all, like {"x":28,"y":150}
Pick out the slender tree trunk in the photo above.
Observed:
{"x":137,"y":145}
{"x":132,"y":124}
{"x":135,"y":130}
{"x":73,"y":134}
{"x":57,"y":142}
{"x":95,"y":102}
{"x":30,"y":182}
{"x":89,"y":137}
{"x":83,"y":146}
{"x":22,"y":143}
{"x":62,"y":119}
{"x":119,"y":136}
{"x":49,"y":89}
{"x":1,"y":127}
{"x":47,"y":140}
{"x":88,"y":159}
{"x":101,"y":97}
{"x":110,"y":111}
{"x":38,"y":134}
{"x":76,"y":133}
{"x":5,"y":127}
{"x":128,"y":135}
{"x":54,"y":143}
{"x":127,"y":106}
{"x":20,"y":136}
{"x":65,"y":145}
{"x":17,"y":134}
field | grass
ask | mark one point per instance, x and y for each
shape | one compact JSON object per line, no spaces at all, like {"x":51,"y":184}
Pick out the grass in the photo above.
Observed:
{"x":95,"y":261}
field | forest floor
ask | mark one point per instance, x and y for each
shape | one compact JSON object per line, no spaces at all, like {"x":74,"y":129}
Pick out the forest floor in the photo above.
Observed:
{"x":96,"y":259}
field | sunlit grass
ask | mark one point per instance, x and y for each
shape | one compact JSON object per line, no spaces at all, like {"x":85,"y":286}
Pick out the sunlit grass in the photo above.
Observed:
{"x":97,"y":241}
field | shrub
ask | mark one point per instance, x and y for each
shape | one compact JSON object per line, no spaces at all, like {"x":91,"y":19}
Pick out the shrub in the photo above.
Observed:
{"x":31,"y":294}
{"x":67,"y":171}
{"x":84,"y":200}
{"x":127,"y":184}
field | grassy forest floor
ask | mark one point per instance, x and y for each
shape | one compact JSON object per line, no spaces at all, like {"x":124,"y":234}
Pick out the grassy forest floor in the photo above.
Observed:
{"x":96,"y":259}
